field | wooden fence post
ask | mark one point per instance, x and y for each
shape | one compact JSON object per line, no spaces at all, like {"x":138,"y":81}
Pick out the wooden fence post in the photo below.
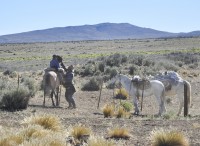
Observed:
{"x":185,"y":101}
{"x":101,"y":86}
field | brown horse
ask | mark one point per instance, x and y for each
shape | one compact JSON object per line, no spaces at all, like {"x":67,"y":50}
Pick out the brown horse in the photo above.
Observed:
{"x":52,"y":83}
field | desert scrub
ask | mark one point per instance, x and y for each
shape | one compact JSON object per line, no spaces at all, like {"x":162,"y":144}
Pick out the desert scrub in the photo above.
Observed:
{"x":31,"y":84}
{"x":16,"y":99}
{"x":161,"y":137}
{"x":92,"y":85}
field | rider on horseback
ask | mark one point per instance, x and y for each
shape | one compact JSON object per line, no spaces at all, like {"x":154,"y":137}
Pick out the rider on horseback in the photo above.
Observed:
{"x":54,"y":63}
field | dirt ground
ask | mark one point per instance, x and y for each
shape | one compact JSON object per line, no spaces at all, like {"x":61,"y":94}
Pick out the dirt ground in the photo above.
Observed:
{"x":30,"y":57}
{"x":140,"y":127}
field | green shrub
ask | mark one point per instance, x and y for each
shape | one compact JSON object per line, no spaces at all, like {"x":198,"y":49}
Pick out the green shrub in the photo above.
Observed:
{"x":128,"y":106}
{"x":92,"y":85}
{"x":31,"y":84}
{"x":101,"y":67}
{"x":114,"y":60}
{"x":15,"y":99}
{"x":88,"y":70}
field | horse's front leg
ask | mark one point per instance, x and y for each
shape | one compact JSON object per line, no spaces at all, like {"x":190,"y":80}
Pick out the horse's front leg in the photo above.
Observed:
{"x":135,"y":102}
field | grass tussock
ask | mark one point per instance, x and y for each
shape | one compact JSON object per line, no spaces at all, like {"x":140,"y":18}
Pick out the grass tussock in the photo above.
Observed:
{"x":100,"y":141}
{"x":108,"y":110}
{"x":121,"y":94}
{"x":163,"y":137}
{"x":122,"y":113}
{"x":119,"y":133}
{"x":80,"y":132}
{"x":52,"y":139}
{"x":11,"y":140}
{"x":49,"y":122}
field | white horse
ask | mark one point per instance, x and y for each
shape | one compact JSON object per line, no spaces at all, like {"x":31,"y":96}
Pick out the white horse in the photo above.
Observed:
{"x":174,"y":86}
{"x":155,"y":88}
{"x":52,"y":83}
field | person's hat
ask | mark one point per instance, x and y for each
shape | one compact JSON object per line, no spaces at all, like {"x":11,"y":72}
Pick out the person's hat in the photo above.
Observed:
{"x":71,"y":67}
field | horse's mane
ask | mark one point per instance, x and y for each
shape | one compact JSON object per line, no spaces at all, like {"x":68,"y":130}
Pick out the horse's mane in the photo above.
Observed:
{"x":59,"y":58}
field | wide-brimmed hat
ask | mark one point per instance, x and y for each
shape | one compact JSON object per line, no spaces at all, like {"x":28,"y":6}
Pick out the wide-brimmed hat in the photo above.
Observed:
{"x":54,"y":56}
{"x":71,"y":67}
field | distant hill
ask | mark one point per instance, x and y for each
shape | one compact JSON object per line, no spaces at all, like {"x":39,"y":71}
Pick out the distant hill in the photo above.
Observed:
{"x":103,"y":31}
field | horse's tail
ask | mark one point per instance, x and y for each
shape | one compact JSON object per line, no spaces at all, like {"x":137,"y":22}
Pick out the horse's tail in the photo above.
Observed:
{"x":47,"y":79}
{"x":46,"y":83}
{"x":189,"y":97}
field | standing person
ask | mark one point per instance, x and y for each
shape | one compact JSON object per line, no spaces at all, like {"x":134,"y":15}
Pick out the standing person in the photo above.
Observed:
{"x":70,"y":89}
{"x":54,"y":63}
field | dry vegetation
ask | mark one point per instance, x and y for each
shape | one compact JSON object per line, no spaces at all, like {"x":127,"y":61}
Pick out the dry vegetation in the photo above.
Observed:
{"x":22,"y":69}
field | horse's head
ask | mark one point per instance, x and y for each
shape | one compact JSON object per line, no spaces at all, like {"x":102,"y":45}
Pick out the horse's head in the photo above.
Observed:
{"x":114,"y":79}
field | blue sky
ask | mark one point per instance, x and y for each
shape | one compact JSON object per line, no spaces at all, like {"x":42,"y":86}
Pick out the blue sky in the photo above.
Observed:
{"x":166,"y":15}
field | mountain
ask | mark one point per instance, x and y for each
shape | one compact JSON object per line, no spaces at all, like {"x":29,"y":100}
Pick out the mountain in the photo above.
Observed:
{"x":102,"y":31}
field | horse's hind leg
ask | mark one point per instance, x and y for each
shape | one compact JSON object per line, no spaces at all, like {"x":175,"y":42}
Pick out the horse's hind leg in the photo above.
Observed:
{"x":52,"y":92}
{"x":44,"y":100}
{"x":181,"y":104}
{"x":56,"y":96}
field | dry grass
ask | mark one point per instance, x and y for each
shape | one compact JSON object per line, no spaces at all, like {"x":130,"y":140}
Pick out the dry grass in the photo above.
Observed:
{"x":163,"y":137}
{"x":80,"y":132}
{"x":108,"y":110}
{"x":119,"y":133}
{"x":34,"y":134}
{"x":100,"y":141}
{"x":122,"y":113}
{"x":50,"y":122}
{"x":121,"y":94}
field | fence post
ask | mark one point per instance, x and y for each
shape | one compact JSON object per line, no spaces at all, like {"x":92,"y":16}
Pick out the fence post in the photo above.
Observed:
{"x":185,"y":101}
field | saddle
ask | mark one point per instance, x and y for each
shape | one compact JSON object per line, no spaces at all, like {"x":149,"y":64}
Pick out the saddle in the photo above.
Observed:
{"x":168,"y":79}
{"x":141,"y":84}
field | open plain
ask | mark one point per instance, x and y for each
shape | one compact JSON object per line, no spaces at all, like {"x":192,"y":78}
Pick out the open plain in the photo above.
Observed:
{"x":32,"y":58}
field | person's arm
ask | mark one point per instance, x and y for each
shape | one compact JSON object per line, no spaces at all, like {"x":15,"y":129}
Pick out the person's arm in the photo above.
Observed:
{"x":63,"y":66}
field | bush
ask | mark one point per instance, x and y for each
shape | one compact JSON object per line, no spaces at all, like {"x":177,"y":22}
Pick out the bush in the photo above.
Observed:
{"x":114,"y":60}
{"x":92,"y":85}
{"x":128,"y":106}
{"x":10,"y":73}
{"x":30,"y":83}
{"x":15,"y":99}
{"x":101,"y":66}
{"x":88,"y":70}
